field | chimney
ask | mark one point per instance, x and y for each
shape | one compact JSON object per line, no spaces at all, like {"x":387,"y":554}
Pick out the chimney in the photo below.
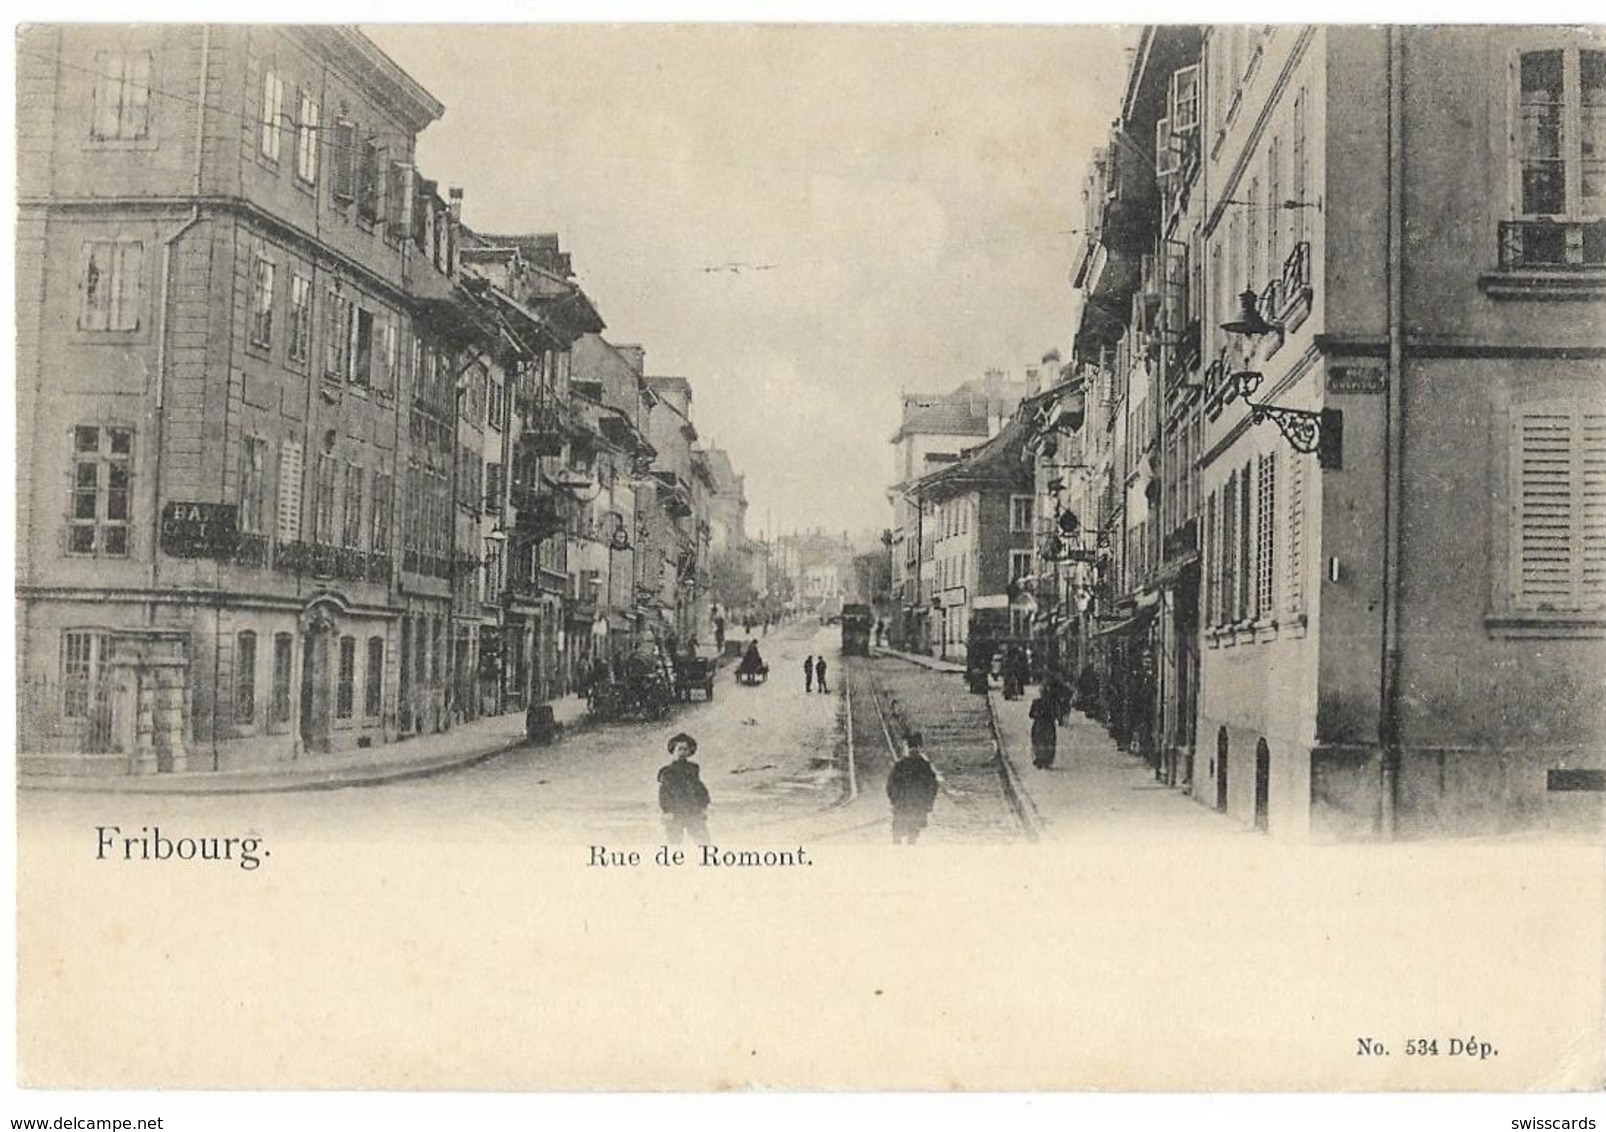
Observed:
{"x":455,"y":207}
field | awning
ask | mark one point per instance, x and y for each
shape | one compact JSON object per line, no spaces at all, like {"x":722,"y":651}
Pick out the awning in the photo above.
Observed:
{"x":1127,"y":624}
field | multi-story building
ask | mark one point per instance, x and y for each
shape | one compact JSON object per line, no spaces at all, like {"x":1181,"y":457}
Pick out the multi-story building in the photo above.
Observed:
{"x":931,"y":433}
{"x":678,"y":555}
{"x":1387,"y":456}
{"x":978,"y":518}
{"x":244,"y":313}
{"x":608,"y":392}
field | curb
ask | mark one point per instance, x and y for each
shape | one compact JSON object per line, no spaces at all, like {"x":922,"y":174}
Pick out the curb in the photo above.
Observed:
{"x":1020,"y":800}
{"x":213,"y":784}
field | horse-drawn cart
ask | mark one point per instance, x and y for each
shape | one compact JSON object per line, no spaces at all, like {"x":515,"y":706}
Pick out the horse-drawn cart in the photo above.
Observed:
{"x":692,"y":674}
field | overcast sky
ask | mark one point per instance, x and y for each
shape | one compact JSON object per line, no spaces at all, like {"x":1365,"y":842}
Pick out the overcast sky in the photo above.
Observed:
{"x":914,"y":192}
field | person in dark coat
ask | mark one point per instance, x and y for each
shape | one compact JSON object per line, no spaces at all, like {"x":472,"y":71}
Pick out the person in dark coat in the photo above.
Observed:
{"x":808,"y":673}
{"x":912,"y":790}
{"x":1045,"y":734}
{"x":681,"y":794}
{"x":819,"y":674}
{"x":1058,"y":694}
{"x":1087,"y":690}
{"x":1014,"y":682}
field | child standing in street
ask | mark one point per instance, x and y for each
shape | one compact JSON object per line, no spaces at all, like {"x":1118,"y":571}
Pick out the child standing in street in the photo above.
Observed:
{"x":681,"y":794}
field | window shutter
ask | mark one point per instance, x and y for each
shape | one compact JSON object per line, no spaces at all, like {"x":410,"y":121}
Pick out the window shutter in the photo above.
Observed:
{"x":1295,"y":594}
{"x":130,"y":276}
{"x":1592,"y":482}
{"x":290,"y":491}
{"x":1545,"y":555}
{"x":136,"y":96}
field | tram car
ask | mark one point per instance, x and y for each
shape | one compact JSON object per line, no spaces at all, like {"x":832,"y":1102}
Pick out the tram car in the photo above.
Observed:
{"x":857,"y":623}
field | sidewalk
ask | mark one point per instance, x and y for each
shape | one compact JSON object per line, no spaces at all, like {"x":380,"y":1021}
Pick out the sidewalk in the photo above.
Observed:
{"x":464,"y":745}
{"x":1094,"y":789}
{"x":934,"y":663}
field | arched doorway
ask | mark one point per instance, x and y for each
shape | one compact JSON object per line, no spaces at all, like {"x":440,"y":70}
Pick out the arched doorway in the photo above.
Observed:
{"x":318,"y":629}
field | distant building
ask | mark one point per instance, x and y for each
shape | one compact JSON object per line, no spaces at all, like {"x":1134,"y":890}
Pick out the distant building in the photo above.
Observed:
{"x":932,"y":432}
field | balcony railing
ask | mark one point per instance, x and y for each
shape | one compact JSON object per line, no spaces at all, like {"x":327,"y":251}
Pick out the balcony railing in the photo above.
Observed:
{"x":1552,"y":244}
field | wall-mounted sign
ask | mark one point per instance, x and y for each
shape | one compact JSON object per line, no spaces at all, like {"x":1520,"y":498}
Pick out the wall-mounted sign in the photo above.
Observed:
{"x":1356,"y":379}
{"x":200,"y":530}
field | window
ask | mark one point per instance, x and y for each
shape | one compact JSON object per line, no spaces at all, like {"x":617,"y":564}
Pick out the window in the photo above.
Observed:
{"x":323,"y":502}
{"x":1212,"y":558}
{"x":253,"y":459}
{"x":1558,"y":476}
{"x":299,"y":350}
{"x":1252,"y":235}
{"x":336,"y":335}
{"x":272,"y":110}
{"x":1020,"y":564}
{"x":83,"y":652}
{"x":493,"y":573}
{"x":290,"y":491}
{"x":398,"y":183}
{"x":1185,"y":100}
{"x":281,"y":678}
{"x":1559,"y":154}
{"x":351,"y":532}
{"x":385,"y":371}
{"x":122,"y":96}
{"x":362,"y":347}
{"x":346,"y":685}
{"x":368,"y":181}
{"x":1274,"y":218}
{"x":1266,"y":535}
{"x":493,"y":488}
{"x":307,"y":140}
{"x":1301,"y":168}
{"x":495,"y":404}
{"x":380,"y":520}
{"x":113,"y":277}
{"x":262,"y":302}
{"x":97,"y":521}
{"x":374,"y":678}
{"x":343,"y":154}
{"x":1020,"y":512}
{"x":245,"y":677}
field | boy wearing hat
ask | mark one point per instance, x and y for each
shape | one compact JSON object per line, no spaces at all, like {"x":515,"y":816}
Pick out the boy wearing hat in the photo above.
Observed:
{"x":681,"y":794}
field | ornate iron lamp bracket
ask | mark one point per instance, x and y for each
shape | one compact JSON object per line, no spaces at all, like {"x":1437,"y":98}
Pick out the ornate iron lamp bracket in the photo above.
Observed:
{"x":1302,"y":428}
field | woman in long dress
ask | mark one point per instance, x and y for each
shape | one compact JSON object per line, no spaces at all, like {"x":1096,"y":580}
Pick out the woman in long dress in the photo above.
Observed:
{"x":1045,"y":733}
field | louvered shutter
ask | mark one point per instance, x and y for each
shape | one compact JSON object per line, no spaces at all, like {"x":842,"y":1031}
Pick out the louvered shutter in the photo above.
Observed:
{"x":290,"y":491}
{"x":1559,"y":506}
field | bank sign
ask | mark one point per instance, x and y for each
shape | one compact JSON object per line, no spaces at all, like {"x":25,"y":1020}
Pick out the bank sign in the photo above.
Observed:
{"x":199,"y":530}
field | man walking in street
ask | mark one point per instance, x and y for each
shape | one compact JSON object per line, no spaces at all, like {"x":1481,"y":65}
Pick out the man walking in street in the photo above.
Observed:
{"x":912,"y":790}
{"x":808,"y":674}
{"x":681,"y":794}
{"x":819,"y":674}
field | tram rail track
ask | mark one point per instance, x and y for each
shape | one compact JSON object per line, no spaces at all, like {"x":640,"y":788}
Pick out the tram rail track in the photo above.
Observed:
{"x":889,"y":698}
